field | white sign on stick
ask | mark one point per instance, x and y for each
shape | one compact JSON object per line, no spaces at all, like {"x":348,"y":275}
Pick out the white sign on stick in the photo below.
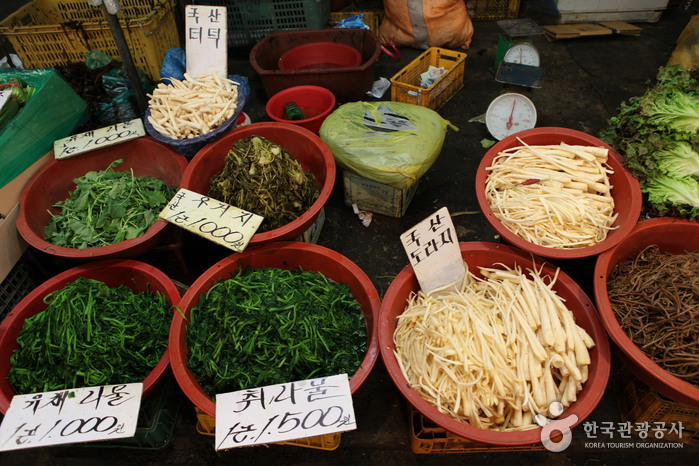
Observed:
{"x":98,"y":138}
{"x":285,"y":411}
{"x":70,"y":416}
{"x":433,"y":249}
{"x":206,"y":40}
{"x":4,"y":97}
{"x":214,"y":220}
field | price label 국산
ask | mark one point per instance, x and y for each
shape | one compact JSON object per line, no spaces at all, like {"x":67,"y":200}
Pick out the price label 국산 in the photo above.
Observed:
{"x":71,"y":416}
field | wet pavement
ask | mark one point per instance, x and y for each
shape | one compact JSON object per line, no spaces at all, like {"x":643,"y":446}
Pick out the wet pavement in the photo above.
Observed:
{"x":584,"y":82}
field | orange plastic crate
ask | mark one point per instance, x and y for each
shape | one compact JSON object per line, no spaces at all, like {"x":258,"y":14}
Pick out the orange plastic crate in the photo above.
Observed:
{"x":48,"y":33}
{"x":206,"y":425}
{"x":638,"y":403}
{"x":405,"y":85}
{"x":427,"y":437}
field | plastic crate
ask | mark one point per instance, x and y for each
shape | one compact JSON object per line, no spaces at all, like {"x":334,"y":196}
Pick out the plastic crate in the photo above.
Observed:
{"x":371,"y":18}
{"x":427,"y":437}
{"x":156,"y":420}
{"x":250,"y":21}
{"x":639,"y":403}
{"x":489,"y":10}
{"x":206,"y":425}
{"x":26,"y":275}
{"x":47,"y":33}
{"x":405,"y":85}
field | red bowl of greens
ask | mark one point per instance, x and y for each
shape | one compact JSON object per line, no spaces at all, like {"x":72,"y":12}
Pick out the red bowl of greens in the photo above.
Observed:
{"x":226,"y":338}
{"x":87,"y":207}
{"x":647,"y":291}
{"x":107,"y":323}
{"x":264,"y":185}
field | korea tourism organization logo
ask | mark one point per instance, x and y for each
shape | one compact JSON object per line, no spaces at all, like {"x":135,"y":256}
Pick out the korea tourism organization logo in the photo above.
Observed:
{"x":606,"y":434}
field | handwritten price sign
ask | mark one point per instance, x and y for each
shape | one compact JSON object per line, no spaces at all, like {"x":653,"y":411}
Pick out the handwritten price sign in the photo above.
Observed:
{"x":284,"y":412}
{"x":96,"y":139}
{"x":433,"y":249}
{"x":71,"y":416}
{"x":214,"y":220}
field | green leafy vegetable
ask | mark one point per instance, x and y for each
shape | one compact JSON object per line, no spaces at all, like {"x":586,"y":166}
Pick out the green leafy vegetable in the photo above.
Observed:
{"x":90,"y":334}
{"x":106,"y":207}
{"x":658,"y":136}
{"x":270,"y":326}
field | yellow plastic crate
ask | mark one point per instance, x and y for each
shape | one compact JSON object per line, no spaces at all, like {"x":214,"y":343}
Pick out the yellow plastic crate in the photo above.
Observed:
{"x":405,"y":85}
{"x":490,"y":10}
{"x":48,"y":33}
{"x":426,"y":437}
{"x":206,"y":425}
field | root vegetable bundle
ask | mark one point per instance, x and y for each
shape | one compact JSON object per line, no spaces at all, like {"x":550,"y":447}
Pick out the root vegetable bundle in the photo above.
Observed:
{"x":192,"y":107}
{"x":557,"y":196}
{"x":496,"y":352}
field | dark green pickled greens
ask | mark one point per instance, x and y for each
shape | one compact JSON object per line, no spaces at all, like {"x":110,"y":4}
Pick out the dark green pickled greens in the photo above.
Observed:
{"x":90,"y":334}
{"x":269,"y":326}
{"x":107,"y":207}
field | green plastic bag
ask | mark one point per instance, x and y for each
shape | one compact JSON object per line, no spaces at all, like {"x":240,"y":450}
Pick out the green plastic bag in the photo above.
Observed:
{"x":392,"y":143}
{"x":53,"y":112}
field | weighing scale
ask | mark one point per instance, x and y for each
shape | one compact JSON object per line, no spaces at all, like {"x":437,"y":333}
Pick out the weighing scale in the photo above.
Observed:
{"x":517,"y":63}
{"x":510,"y":113}
{"x":517,"y":60}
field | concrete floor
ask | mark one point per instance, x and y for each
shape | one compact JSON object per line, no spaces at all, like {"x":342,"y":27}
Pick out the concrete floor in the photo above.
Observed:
{"x":585,"y":81}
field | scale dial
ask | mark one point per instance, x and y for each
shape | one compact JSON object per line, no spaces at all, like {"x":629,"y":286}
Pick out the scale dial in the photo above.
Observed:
{"x":523,"y":54}
{"x":508,"y":114}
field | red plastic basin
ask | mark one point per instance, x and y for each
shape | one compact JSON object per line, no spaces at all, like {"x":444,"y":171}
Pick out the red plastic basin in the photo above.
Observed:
{"x":136,"y":275}
{"x":626,"y":191}
{"x":54,"y":182}
{"x":313,"y":154}
{"x":671,"y":235}
{"x":282,"y":255}
{"x":479,"y":254}
{"x":319,"y":55}
{"x":315,"y":103}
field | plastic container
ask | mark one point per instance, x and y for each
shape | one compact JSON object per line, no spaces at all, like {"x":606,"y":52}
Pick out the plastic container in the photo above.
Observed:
{"x":248,"y":22}
{"x":135,"y":274}
{"x":284,"y":255}
{"x":478,"y":254}
{"x":314,"y":102}
{"x":626,"y":191}
{"x":54,"y":181}
{"x":672,"y":235}
{"x":319,"y":56}
{"x":313,"y":154}
{"x":47,"y":33}
{"x":348,"y":83}
{"x":189,"y":147}
{"x":405,"y":85}
{"x":490,"y":10}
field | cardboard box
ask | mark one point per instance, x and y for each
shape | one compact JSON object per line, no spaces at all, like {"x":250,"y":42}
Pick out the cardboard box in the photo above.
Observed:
{"x":313,"y":233}
{"x":376,"y":197}
{"x":12,"y":245}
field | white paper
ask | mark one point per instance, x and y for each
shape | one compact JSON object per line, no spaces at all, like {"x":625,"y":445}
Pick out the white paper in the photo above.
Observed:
{"x":206,"y":40}
{"x":286,"y":411}
{"x":98,"y":138}
{"x":70,"y":416}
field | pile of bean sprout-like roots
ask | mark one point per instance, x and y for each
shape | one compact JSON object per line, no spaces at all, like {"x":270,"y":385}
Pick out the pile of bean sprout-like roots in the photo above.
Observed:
{"x":496,"y":352}
{"x":655,"y":297}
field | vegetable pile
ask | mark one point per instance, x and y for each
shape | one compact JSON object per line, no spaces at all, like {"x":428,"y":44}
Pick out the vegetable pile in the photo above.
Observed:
{"x":495,"y":352}
{"x":107,"y":207}
{"x":262,"y":177}
{"x":556,"y":196}
{"x":90,"y":334}
{"x":655,"y":296}
{"x":658,"y":135}
{"x":21,"y":93}
{"x":270,"y":326}
{"x":192,"y":107}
